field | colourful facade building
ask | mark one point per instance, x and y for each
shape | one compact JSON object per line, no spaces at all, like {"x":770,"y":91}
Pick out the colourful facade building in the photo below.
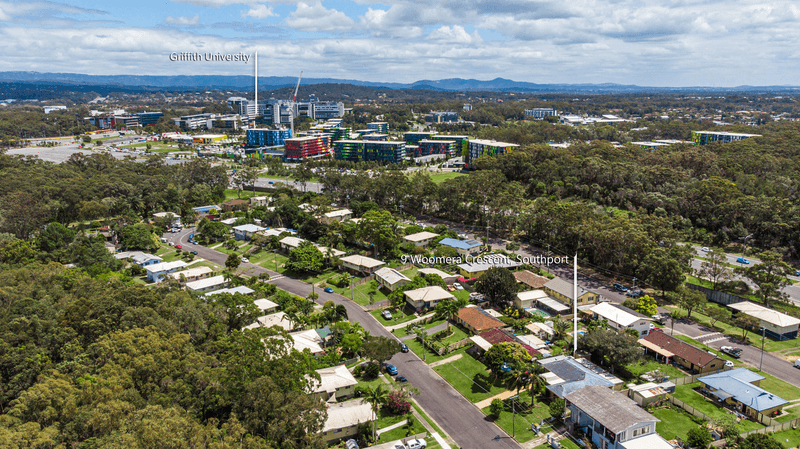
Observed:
{"x":478,"y":148}
{"x":706,"y":137}
{"x":462,"y":142}
{"x":364,"y":150}
{"x":380,"y":127}
{"x":267,"y":137}
{"x":305,"y":147}
{"x":416,"y":136}
{"x":438,"y":146}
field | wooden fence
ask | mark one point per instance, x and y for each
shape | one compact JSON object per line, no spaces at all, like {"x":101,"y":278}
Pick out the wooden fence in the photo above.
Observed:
{"x":789,"y":425}
{"x":716,"y":295}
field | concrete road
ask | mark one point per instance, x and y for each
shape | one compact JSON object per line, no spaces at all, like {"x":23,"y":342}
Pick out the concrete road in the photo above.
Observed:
{"x":452,"y":412}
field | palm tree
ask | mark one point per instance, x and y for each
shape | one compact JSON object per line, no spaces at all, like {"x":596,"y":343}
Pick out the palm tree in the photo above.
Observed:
{"x":376,"y":397}
{"x":536,"y":383}
{"x":517,"y":379}
{"x":560,"y":328}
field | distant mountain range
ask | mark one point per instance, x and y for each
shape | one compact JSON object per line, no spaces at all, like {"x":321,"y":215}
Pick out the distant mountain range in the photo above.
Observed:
{"x":245,"y":83}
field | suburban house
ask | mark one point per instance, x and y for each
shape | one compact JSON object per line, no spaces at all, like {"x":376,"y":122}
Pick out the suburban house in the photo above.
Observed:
{"x":158,"y":272}
{"x":540,"y":330}
{"x":229,"y":221}
{"x":689,"y":357}
{"x":647,"y":393}
{"x":390,"y":278}
{"x":361,"y":264}
{"x":309,"y":339}
{"x":566,"y":374}
{"x":423,"y":238}
{"x":475,"y":320}
{"x":289,"y":243}
{"x":259,"y":201}
{"x":532,"y":280}
{"x":245,"y":232}
{"x":265,"y":305}
{"x":777,"y":325}
{"x":235,"y":204}
{"x":192,"y":274}
{"x":274,"y":319}
{"x":463,"y":247}
{"x":426,"y":297}
{"x":344,"y":418}
{"x":334,"y":252}
{"x":139,"y":258}
{"x":620,"y":317}
{"x":202,"y":211}
{"x":446,"y":277}
{"x":611,"y":420}
{"x":242,"y":290}
{"x":562,"y":291}
{"x":476,"y":269}
{"x":335,"y":383}
{"x":529,"y":299}
{"x":738,"y":389}
{"x":176,"y":219}
{"x":207,"y":284}
{"x":497,"y":335}
{"x":337,"y":215}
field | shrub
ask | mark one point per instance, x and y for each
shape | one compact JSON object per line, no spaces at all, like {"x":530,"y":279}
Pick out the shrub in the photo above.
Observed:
{"x":495,"y":408}
{"x":371,"y":371}
{"x":699,"y":437}
{"x":359,"y":369}
{"x":397,"y":403}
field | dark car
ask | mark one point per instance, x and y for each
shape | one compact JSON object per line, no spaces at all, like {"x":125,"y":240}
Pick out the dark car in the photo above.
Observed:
{"x":403,"y":347}
{"x":620,"y":288}
{"x":634,"y":293}
{"x":401,"y":379}
{"x":194,"y":252}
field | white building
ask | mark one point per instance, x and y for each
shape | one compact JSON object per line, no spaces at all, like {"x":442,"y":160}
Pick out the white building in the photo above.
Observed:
{"x":274,"y":319}
{"x":334,"y":384}
{"x":776,"y":324}
{"x":390,"y":278}
{"x":426,"y":297}
{"x":527,"y":300}
{"x":309,"y":339}
{"x":344,"y":418}
{"x":423,"y":238}
{"x":207,"y":284}
{"x":265,"y":305}
{"x":157,"y":272}
{"x":361,"y":264}
{"x":619,"y":318}
{"x":192,"y":274}
{"x":337,"y":215}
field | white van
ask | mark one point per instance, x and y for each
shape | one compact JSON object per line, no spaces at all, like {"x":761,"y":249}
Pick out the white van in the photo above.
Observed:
{"x":163,"y":240}
{"x":171,"y":244}
{"x":797,"y":363}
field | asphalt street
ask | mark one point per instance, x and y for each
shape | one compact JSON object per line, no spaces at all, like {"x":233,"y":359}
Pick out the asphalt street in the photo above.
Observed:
{"x":458,"y":417}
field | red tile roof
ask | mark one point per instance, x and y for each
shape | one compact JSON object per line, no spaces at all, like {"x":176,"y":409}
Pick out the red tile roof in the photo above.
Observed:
{"x":680,"y":348}
{"x":479,"y":321}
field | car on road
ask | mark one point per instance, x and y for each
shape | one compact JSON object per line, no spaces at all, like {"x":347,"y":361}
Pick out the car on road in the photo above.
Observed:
{"x":704,"y":249}
{"x":797,"y":273}
{"x":416,"y":443}
{"x":271,"y":182}
{"x":731,"y":351}
{"x":179,"y":246}
{"x":620,"y":288}
{"x":391,"y":369}
{"x":194,"y":252}
{"x":386,"y":314}
{"x":743,"y":261}
{"x":245,"y":260}
{"x":797,"y":363}
{"x":401,"y":379}
{"x":403,"y":347}
{"x":634,"y":293}
{"x":328,"y":290}
{"x":194,"y":242}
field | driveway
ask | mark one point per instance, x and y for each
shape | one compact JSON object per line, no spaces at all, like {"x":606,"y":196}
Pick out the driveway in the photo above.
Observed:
{"x":458,"y":417}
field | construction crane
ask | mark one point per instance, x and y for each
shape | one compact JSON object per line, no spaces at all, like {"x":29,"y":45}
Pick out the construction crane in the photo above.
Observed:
{"x":294,"y":98}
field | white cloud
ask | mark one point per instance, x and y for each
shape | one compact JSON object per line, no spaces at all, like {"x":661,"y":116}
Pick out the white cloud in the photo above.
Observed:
{"x":316,"y":17}
{"x":4,"y":17}
{"x":455,"y":35}
{"x":183,"y":20}
{"x":260,"y":12}
{"x":210,"y":3}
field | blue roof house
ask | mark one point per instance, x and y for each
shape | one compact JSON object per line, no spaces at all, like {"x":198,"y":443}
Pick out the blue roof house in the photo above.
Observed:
{"x":464,"y":247}
{"x":739,"y":389}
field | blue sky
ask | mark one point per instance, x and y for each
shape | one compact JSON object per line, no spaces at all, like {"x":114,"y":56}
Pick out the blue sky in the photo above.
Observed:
{"x":644,"y":42}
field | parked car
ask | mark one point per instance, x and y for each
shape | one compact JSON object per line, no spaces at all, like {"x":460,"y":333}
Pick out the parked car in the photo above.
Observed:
{"x":458,"y":286}
{"x":171,"y":243}
{"x":416,"y":443}
{"x":328,"y":290}
{"x":386,"y":314}
{"x":797,"y":363}
{"x":620,"y":288}
{"x":704,"y":249}
{"x":351,"y":444}
{"x":194,"y":242}
{"x":179,"y":246}
{"x":401,"y":379}
{"x":743,"y":261}
{"x":403,"y":347}
{"x":731,"y":351}
{"x":245,"y":260}
{"x":391,"y":369}
{"x":634,"y":293}
{"x":194,"y":252}
{"x":729,"y":364}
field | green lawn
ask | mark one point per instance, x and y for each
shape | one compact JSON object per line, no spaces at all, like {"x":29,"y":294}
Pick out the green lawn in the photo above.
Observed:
{"x":470,"y":377}
{"x":776,"y":386}
{"x":675,"y":423}
{"x":525,"y":416}
{"x":402,"y":331}
{"x":791,"y":414}
{"x":439,"y":178}
{"x":687,"y":394}
{"x":402,"y":431}
{"x":637,"y":369}
{"x":398,"y":316}
{"x":793,"y":437}
{"x":415,"y":346}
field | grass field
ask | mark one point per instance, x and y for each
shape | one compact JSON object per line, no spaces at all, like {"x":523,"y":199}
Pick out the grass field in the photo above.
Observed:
{"x":398,"y":316}
{"x":439,"y":178}
{"x":525,"y":416}
{"x":638,"y":369}
{"x":470,"y":377}
{"x":675,"y":423}
{"x":687,"y":394}
{"x":788,"y":438}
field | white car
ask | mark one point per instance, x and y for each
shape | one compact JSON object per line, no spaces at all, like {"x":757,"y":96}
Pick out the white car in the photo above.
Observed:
{"x":245,"y":260}
{"x":458,"y":286}
{"x":729,"y":364}
{"x":416,"y":443}
{"x":704,"y":249}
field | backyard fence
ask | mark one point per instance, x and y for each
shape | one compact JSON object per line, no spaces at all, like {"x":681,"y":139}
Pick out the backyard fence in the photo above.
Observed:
{"x":689,"y":408}
{"x":363,"y":280}
{"x":716,"y":295}
{"x":774,"y":428}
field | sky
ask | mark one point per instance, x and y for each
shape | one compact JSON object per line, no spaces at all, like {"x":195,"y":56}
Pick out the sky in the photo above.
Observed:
{"x":717,"y":43}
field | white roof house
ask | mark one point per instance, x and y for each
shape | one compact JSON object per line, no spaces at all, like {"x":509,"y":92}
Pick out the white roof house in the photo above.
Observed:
{"x":426,"y":297}
{"x":446,"y":277}
{"x":421,"y":238}
{"x":391,"y":278}
{"x":776,"y":324}
{"x":347,"y":415}
{"x":309,"y":339}
{"x":157,"y":272}
{"x":242,"y":289}
{"x":339,"y":215}
{"x":616,"y":315}
{"x":207,"y":284}
{"x":291,"y":242}
{"x":265,"y":305}
{"x":525,"y":300}
{"x":192,"y":274}
{"x":333,"y":379}
{"x":361,"y":264}
{"x":334,"y":252}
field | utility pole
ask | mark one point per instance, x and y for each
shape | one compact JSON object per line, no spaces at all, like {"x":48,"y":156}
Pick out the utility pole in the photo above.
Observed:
{"x":744,"y":245}
{"x":763,"y":336}
{"x":634,"y":283}
{"x":513,"y":416}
